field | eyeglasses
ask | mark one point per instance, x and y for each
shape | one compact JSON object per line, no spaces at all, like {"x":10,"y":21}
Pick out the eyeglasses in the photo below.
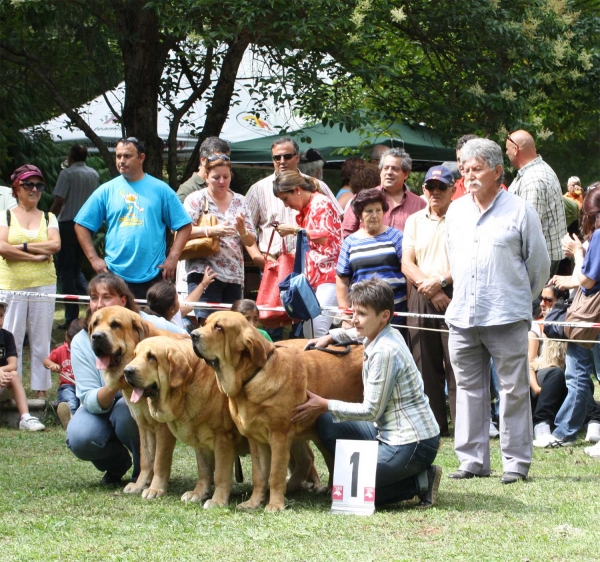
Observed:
{"x":29,"y":185}
{"x":431,"y":186}
{"x":215,"y":157}
{"x":548,"y":299}
{"x":287,"y":156}
{"x":509,"y":139}
{"x":139,"y":145}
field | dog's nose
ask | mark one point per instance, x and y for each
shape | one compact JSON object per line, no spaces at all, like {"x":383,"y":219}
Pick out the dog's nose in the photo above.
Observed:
{"x":129,"y":372}
{"x":195,"y":336}
{"x":96,"y":335}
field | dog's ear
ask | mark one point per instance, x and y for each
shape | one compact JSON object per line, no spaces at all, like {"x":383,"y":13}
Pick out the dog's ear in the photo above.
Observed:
{"x":140,"y":328}
{"x":256,"y":345}
{"x":179,"y":369}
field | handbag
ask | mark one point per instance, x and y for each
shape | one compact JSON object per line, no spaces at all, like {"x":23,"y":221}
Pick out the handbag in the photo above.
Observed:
{"x":556,"y":314}
{"x":297,"y":296}
{"x":274,"y":273}
{"x":206,"y":245}
{"x":585,"y":308}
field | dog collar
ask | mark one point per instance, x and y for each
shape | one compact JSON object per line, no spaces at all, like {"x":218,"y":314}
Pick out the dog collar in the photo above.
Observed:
{"x":259,"y":369}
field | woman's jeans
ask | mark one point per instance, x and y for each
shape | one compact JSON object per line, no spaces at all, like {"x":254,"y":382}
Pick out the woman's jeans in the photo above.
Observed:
{"x":579,"y":367}
{"x":401,"y":469}
{"x":66,"y":393}
{"x":106,"y":439}
{"x":217,"y":291}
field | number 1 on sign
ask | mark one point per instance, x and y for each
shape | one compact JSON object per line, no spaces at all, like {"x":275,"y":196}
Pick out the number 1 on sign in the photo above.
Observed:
{"x":354,"y":460}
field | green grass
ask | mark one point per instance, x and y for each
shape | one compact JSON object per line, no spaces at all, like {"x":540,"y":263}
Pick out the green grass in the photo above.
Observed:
{"x":52,"y":508}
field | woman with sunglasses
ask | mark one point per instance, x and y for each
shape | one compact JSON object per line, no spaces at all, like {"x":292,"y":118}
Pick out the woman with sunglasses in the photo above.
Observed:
{"x":375,"y":250}
{"x":235,"y":230}
{"x":28,"y":240}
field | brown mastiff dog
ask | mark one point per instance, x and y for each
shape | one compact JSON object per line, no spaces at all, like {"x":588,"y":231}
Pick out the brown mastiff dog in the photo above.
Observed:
{"x":115,"y":331}
{"x":182,"y":392}
{"x":264,"y":383}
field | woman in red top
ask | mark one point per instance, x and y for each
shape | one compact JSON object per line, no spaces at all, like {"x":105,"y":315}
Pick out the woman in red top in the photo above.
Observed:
{"x":321,"y":220}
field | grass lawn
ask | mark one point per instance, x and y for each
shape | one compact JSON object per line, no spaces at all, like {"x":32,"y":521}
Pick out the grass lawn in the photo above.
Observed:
{"x":52,"y":508}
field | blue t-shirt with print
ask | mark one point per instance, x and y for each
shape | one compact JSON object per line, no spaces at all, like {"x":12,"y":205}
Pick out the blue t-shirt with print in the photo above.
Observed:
{"x":137,"y":215}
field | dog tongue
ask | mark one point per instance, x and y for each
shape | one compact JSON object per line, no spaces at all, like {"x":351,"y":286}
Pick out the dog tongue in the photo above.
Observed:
{"x":137,"y":395}
{"x":102,"y":362}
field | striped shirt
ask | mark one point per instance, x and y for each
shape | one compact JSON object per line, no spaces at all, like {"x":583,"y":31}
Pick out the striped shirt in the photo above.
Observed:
{"x":537,"y":183}
{"x":362,"y":257}
{"x":394,"y":398}
{"x":265,"y":209}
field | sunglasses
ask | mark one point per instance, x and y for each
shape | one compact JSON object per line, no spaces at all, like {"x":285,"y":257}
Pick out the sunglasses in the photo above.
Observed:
{"x":29,"y":185}
{"x":215,"y":157}
{"x":509,"y":139}
{"x":278,"y":157}
{"x":548,"y":299}
{"x":430,"y":186}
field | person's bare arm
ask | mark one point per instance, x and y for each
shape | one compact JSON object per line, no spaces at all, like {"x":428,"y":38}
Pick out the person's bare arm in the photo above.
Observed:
{"x":57,"y":205}
{"x":48,"y":247}
{"x":84,"y":236}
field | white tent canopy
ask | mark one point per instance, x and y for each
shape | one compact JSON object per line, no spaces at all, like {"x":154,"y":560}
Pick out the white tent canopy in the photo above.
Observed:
{"x":242,"y":122}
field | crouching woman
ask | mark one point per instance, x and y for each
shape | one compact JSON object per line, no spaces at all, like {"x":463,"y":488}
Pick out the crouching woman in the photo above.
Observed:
{"x":395,"y":410}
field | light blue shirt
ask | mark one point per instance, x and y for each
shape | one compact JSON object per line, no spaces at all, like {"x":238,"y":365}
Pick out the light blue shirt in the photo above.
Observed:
{"x":498,"y":258}
{"x":137,"y":215}
{"x":88,"y":379}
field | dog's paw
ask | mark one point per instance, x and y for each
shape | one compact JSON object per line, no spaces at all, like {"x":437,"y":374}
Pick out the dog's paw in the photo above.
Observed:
{"x":134,"y":488}
{"x":152,"y":494}
{"x":214,"y":503}
{"x":274,"y":508}
{"x":194,"y":497}
{"x":248,"y":506}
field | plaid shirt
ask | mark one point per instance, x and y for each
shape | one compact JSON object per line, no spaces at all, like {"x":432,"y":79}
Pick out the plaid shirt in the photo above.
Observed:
{"x":394,"y":398}
{"x":537,"y":183}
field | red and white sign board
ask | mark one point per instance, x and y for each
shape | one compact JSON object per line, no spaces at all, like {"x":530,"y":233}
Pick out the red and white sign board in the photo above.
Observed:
{"x":354,"y":477}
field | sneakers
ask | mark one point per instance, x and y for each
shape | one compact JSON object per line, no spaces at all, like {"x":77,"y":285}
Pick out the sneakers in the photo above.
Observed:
{"x":429,"y":496}
{"x":593,"y":432}
{"x":64,"y":414}
{"x":550,"y":441}
{"x":493,"y":431}
{"x":593,"y":452}
{"x":31,"y":424}
{"x":541,"y":429}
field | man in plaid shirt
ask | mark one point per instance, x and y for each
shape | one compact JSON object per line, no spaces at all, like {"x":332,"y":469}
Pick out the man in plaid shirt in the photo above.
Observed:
{"x":537,"y":183}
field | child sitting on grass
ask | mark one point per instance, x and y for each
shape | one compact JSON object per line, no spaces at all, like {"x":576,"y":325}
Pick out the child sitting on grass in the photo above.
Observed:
{"x":11,"y":385}
{"x":162,"y":299}
{"x":248,"y":309}
{"x":59,"y":361}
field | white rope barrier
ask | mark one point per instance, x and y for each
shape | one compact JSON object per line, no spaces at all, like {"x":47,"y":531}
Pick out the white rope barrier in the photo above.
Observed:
{"x":333,"y":311}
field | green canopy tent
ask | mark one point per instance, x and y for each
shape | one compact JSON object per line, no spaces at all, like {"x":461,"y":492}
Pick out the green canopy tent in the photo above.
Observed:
{"x":423,"y":145}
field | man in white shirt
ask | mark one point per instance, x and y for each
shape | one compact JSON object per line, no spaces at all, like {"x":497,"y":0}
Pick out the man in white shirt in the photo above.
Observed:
{"x":499,"y":262}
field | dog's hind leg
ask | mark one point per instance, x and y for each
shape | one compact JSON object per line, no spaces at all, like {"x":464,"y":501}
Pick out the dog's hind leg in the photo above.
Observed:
{"x":304,"y":473}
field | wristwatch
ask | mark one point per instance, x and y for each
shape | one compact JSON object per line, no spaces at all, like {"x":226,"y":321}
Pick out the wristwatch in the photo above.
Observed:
{"x":443,"y":282}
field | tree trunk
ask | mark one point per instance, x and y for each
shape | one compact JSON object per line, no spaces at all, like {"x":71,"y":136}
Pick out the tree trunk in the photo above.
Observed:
{"x":216,"y":115}
{"x":144,"y":54}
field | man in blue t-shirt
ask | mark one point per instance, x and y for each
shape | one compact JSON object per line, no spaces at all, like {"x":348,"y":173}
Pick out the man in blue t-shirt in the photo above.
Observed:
{"x":138,"y":209}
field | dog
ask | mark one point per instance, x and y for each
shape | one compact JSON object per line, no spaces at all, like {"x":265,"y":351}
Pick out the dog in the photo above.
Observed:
{"x":115,"y":332}
{"x":182,"y":392}
{"x":264,"y":383}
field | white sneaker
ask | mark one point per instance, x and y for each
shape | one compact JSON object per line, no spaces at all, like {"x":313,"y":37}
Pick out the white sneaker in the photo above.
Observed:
{"x":493,"y":431}
{"x":593,"y":432}
{"x":542,"y":428}
{"x":594,"y":451}
{"x":31,"y":424}
{"x":550,"y":441}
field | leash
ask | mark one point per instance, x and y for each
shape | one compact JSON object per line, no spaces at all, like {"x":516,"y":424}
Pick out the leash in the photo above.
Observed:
{"x":313,"y":347}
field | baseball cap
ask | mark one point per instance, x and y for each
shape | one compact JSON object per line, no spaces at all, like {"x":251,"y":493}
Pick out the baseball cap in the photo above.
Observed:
{"x":26,"y":171}
{"x":3,"y":303}
{"x":439,"y":173}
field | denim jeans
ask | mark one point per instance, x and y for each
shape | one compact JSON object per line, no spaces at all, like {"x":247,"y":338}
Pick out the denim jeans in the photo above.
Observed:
{"x":66,"y":393}
{"x":106,"y":439}
{"x":401,"y":469}
{"x":579,"y":367}
{"x":217,"y":291}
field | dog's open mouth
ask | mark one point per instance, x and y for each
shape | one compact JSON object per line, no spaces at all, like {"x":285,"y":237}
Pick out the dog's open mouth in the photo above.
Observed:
{"x":149,"y":392}
{"x":104,"y":362}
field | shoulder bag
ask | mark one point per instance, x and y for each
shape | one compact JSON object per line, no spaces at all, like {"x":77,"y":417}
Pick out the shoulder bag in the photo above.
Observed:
{"x":585,"y":308}
{"x":204,"y":246}
{"x":268,"y":292}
